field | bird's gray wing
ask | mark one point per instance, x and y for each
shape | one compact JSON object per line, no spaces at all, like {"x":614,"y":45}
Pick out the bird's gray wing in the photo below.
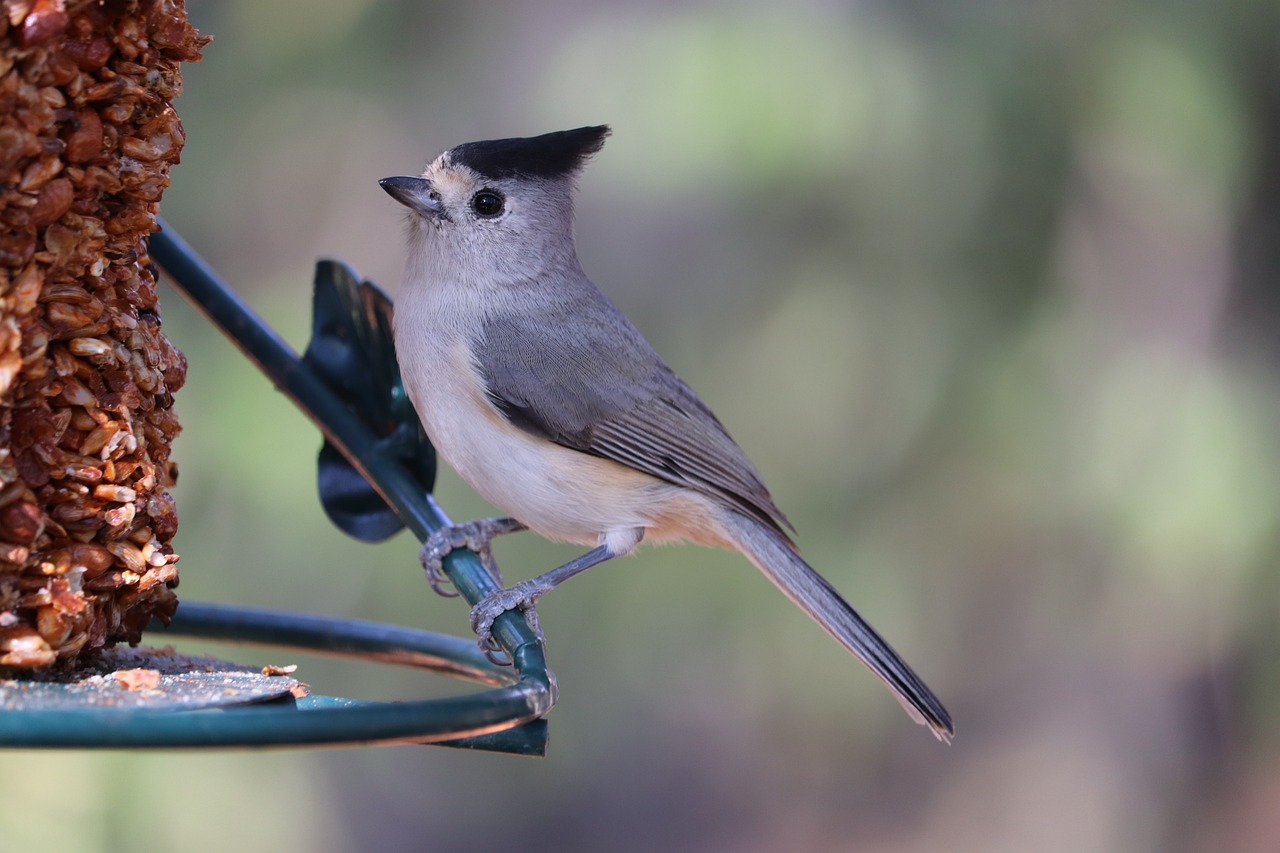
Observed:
{"x":583,"y":377}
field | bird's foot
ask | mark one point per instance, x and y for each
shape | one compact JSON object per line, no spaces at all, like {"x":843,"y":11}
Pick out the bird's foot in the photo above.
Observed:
{"x":521,"y":596}
{"x":475,"y":536}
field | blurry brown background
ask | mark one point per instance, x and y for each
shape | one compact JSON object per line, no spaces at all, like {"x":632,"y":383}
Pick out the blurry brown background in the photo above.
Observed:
{"x":987,"y":290}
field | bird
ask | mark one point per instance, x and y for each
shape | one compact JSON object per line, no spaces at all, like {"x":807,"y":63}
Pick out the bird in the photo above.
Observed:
{"x":546,"y":399}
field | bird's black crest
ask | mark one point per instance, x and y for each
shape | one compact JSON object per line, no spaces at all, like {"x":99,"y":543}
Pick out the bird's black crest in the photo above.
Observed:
{"x":552,"y":155}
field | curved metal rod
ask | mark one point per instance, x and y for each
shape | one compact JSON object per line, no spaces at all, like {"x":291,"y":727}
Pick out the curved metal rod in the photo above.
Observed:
{"x":505,"y":718}
{"x":396,"y":645}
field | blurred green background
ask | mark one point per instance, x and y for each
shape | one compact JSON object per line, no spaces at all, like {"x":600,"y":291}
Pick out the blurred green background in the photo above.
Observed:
{"x":986,"y":289}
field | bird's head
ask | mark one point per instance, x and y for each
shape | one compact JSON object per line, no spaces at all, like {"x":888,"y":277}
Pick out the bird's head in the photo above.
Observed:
{"x":498,"y":210}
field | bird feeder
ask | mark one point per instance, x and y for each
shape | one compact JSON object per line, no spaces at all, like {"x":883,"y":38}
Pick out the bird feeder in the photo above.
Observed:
{"x":87,"y":379}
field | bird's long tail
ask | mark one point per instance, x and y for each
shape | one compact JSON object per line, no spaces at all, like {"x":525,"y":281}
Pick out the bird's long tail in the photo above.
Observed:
{"x":782,"y":565}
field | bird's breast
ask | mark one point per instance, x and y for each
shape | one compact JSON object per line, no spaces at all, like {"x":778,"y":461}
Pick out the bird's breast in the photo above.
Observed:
{"x":561,"y":493}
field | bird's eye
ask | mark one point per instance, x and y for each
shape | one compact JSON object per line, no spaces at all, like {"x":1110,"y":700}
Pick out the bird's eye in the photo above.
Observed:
{"x":487,"y":203}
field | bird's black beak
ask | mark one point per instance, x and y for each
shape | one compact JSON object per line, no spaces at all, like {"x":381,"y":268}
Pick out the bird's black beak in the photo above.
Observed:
{"x":417,"y":194}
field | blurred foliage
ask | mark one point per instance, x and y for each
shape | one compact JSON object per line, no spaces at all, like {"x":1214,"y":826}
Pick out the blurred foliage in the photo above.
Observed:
{"x":987,"y":291}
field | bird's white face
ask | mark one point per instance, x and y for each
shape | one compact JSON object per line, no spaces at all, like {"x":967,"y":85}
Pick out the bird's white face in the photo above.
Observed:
{"x":472,"y":229}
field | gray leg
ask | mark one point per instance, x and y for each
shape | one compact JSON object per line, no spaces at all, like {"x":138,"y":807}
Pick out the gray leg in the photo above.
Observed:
{"x":475,"y":536}
{"x":524,"y":594}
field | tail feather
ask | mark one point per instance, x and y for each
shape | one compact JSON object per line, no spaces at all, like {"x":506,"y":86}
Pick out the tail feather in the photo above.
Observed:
{"x":791,"y":574}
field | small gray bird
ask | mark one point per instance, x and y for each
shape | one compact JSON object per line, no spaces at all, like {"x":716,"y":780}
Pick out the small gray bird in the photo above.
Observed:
{"x":553,"y":406}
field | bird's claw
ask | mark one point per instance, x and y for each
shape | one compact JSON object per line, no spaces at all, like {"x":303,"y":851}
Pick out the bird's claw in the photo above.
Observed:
{"x":495,"y":653}
{"x":438,"y":546}
{"x":475,"y":536}
{"x":521,"y":596}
